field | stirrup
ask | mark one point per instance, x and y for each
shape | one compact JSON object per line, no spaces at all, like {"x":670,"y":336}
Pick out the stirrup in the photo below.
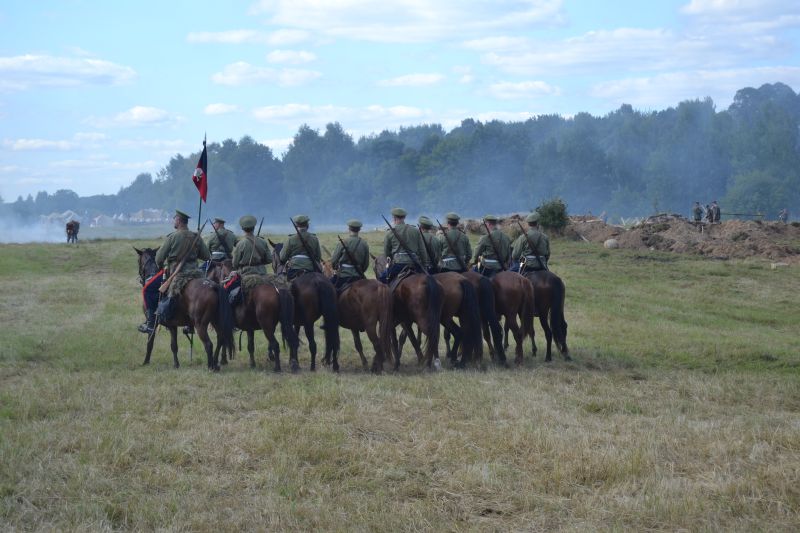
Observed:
{"x":144,"y":328}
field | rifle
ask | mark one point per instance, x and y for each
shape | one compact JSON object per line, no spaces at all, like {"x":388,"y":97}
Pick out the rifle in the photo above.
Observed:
{"x":305,"y":246}
{"x":352,"y":260}
{"x":258,"y":234}
{"x":427,"y":248}
{"x":406,"y":248}
{"x":494,"y":246}
{"x":165,"y":285}
{"x":219,"y":238}
{"x":452,"y":248}
{"x":533,"y":248}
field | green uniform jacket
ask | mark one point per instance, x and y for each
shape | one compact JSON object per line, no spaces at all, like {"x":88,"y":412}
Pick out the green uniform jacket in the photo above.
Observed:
{"x":359,"y":251}
{"x":435,"y":246}
{"x":410,"y":235}
{"x":250,"y":255}
{"x":462,"y":249}
{"x":484,"y":248}
{"x":539,"y":240}
{"x":297,"y":256}
{"x":175,"y":245}
{"x":214,"y":244}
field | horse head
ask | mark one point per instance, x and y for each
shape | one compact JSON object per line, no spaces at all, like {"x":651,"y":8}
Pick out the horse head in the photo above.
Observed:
{"x":327,"y":268}
{"x":379,"y":265}
{"x":147,"y":263}
{"x":220,"y":270}
{"x":277,"y":266}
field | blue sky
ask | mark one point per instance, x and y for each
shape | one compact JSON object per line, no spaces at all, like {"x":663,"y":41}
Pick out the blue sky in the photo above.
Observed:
{"x":93,"y":93}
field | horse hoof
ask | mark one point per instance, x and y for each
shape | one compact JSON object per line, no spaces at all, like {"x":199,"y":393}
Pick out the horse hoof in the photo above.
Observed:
{"x":176,"y":365}
{"x":567,"y":358}
{"x":295,"y":367}
{"x":548,"y":359}
{"x":277,"y":370}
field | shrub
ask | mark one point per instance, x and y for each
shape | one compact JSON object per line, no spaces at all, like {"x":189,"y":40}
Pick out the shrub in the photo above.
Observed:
{"x":553,"y":214}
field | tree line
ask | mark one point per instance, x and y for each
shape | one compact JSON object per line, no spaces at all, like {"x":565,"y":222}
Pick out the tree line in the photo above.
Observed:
{"x":626,"y":163}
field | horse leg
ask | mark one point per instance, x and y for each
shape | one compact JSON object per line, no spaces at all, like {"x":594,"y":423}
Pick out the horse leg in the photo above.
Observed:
{"x":452,"y":328}
{"x":149,"y":350}
{"x":487,"y":336}
{"x":511,"y":323}
{"x":251,"y":347}
{"x":360,"y":348}
{"x":407,"y":328}
{"x":505,"y":335}
{"x":548,"y":335}
{"x":274,"y":348}
{"x":312,"y":345}
{"x":173,"y":345}
{"x":377,"y":345}
{"x":202,"y":334}
{"x":395,"y":349}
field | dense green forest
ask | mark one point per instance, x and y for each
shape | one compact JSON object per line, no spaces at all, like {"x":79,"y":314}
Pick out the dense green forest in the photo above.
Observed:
{"x":626,"y":163}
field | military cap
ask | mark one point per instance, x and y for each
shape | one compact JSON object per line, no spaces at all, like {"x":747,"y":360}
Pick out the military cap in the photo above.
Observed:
{"x":425,"y":221}
{"x":301,"y":220}
{"x":353,"y":223}
{"x":219,"y":220}
{"x":181,"y":214}
{"x":398,"y":212}
{"x":247,"y":222}
{"x":532,"y":218}
{"x":491,"y":218}
{"x":452,"y":216}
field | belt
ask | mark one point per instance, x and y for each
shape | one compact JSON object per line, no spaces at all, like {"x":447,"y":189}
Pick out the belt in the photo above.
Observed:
{"x":346,"y":265}
{"x":300,"y":256}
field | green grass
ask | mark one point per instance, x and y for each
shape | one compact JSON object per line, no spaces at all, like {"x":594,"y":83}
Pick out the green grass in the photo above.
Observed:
{"x":680,"y":411}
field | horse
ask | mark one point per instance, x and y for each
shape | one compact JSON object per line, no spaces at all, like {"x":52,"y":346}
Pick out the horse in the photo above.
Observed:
{"x":73,"y":226}
{"x":514,"y":298}
{"x":366,"y":305}
{"x":418,"y":299}
{"x":314,"y":297}
{"x":264,"y":306}
{"x":550,"y":294}
{"x":202,"y":302}
{"x":492,"y":330}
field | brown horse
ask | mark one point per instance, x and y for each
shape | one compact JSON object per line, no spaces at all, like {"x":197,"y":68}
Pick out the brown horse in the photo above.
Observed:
{"x":492,"y":330}
{"x":314,"y":297}
{"x":366,"y":305}
{"x":201,"y":303}
{"x":550,"y":294}
{"x":514,"y":299}
{"x":264,"y":306}
{"x":418,"y":299}
{"x":73,"y":226}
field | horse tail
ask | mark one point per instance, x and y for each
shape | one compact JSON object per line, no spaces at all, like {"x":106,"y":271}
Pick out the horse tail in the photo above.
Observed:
{"x":289,"y":335}
{"x":528,"y":310}
{"x":489,"y":314}
{"x":435,"y":299}
{"x":557,"y":322}
{"x":385,"y":319}
{"x":327,"y":307}
{"x":470,"y":319}
{"x":225,"y":320}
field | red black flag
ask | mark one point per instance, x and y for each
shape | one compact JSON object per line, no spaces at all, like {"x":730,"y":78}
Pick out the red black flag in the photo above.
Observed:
{"x":200,"y":177}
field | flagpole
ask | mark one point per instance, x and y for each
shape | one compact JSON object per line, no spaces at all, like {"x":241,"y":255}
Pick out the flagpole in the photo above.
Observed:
{"x":200,"y":207}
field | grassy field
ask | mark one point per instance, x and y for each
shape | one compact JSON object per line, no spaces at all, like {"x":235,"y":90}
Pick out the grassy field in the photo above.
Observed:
{"x":679,"y":411}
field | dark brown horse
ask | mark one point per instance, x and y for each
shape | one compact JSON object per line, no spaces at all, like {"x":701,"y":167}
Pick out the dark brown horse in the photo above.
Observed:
{"x":492,"y":330}
{"x":201,"y":303}
{"x":514,"y":299}
{"x":418,"y":299}
{"x":550,"y":294}
{"x":366,"y":305}
{"x":314,"y":297}
{"x":73,"y":226}
{"x":461,"y":300}
{"x":264,"y":307}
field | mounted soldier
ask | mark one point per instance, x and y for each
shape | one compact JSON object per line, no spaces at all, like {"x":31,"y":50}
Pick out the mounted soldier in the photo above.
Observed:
{"x":221,"y":242}
{"x":251,"y":254}
{"x":531,"y":250}
{"x":433,"y":246}
{"x":493,"y":249}
{"x":350,"y":258}
{"x":456,"y":249}
{"x":301,"y":250}
{"x":404,"y":246}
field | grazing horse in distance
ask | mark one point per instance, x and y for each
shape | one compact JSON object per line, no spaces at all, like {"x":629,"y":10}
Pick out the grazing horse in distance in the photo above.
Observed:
{"x":202,"y":303}
{"x":549,"y":303}
{"x":264,"y":307}
{"x":314,"y":297}
{"x":73,"y":226}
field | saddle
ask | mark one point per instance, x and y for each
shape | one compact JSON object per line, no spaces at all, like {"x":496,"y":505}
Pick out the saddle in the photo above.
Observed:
{"x":403,"y":274}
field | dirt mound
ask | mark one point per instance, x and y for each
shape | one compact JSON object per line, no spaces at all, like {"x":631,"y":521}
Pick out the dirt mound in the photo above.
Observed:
{"x":674,"y":233}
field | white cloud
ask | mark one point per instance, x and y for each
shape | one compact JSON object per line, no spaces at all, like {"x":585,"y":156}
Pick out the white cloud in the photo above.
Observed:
{"x":141,"y":116}
{"x":28,"y":71}
{"x":162,"y":146}
{"x":667,"y":89}
{"x":278,"y":146}
{"x":728,"y":8}
{"x":19,"y":145}
{"x":241,"y":73}
{"x":292,"y":57}
{"x":507,"y":90}
{"x":408,"y":20}
{"x":464,"y":73}
{"x":89,"y":137}
{"x":220,"y":109}
{"x":412,"y":80}
{"x":276,"y":38}
{"x":102,"y":164}
{"x":365,"y":118}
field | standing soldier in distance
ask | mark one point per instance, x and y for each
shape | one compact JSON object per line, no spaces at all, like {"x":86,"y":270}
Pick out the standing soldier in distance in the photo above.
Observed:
{"x":251,"y":254}
{"x":299,"y":259}
{"x":491,"y":264}
{"x":342,"y":260}
{"x":396,"y":252}
{"x":433,"y":246}
{"x":715,"y":213}
{"x":697,"y":213}
{"x":783,"y":215}
{"x":525,"y":259}
{"x":461,"y":247}
{"x":215,"y":240}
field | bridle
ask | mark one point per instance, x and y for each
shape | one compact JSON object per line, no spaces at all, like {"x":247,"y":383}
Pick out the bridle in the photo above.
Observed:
{"x":147,"y":265}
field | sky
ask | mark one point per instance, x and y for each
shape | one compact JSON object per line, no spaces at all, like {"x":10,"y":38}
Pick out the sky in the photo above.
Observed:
{"x":93,"y":93}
